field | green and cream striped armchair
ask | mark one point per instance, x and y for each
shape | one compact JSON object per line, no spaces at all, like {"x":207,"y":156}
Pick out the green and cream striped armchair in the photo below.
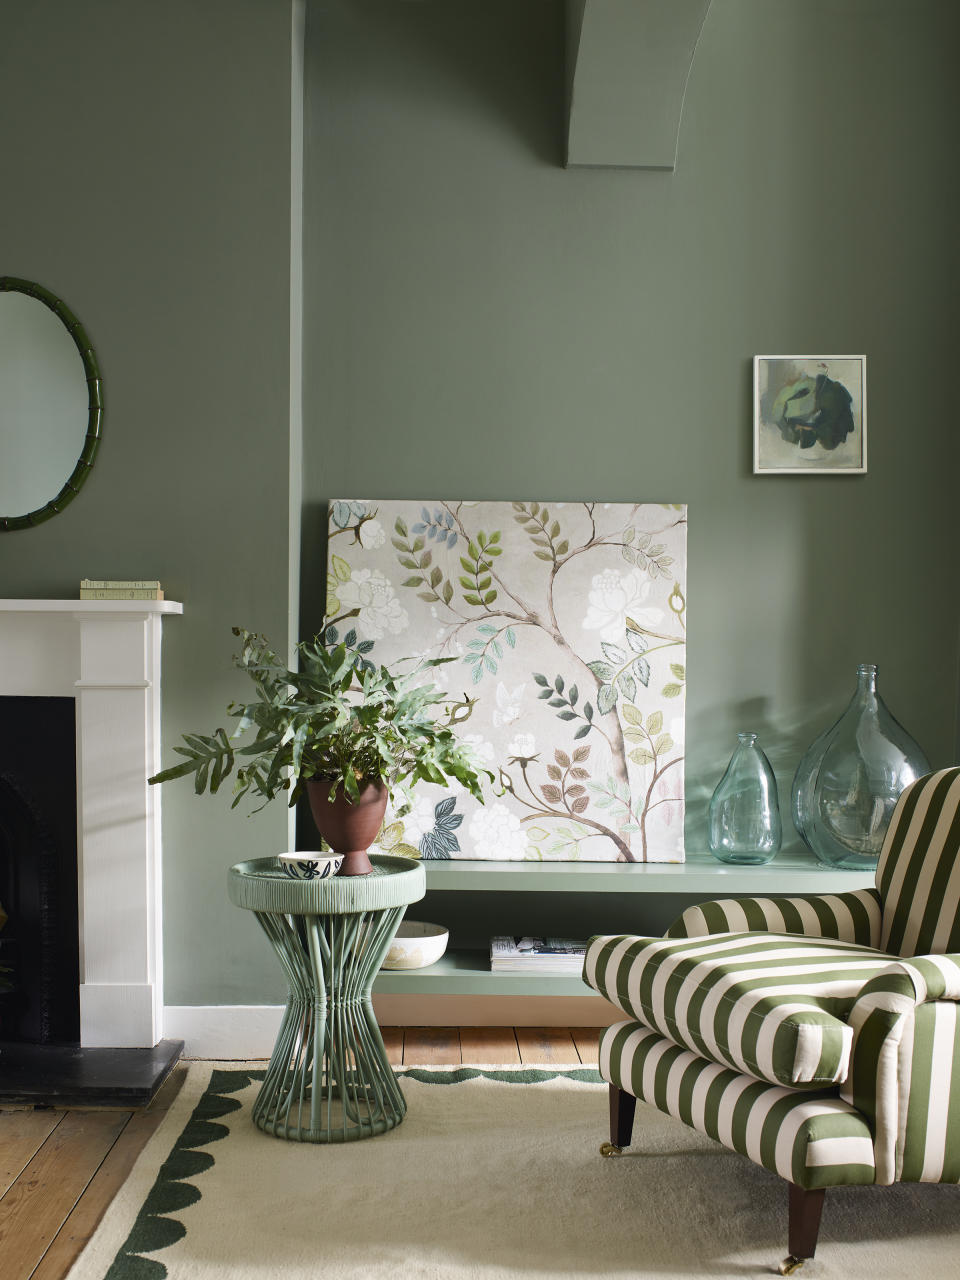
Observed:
{"x":816,"y":1036}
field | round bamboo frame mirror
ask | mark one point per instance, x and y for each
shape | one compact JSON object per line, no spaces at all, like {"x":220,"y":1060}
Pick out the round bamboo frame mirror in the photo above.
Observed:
{"x":91,"y":374}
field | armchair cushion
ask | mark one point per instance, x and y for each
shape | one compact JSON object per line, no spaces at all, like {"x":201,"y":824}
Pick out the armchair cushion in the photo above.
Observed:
{"x":811,"y":1139}
{"x":905,"y":1067}
{"x":851,"y":917}
{"x":771,"y":1005}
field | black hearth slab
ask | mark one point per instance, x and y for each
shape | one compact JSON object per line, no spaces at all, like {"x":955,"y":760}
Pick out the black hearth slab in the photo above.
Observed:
{"x":57,"y":1075}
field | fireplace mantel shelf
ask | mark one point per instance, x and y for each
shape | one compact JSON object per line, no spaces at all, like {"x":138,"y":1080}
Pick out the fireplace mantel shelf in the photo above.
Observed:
{"x":87,"y":607}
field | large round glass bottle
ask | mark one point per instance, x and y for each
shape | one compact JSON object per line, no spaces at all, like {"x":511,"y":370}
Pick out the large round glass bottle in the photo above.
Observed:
{"x":848,"y":782}
{"x":744,"y":815}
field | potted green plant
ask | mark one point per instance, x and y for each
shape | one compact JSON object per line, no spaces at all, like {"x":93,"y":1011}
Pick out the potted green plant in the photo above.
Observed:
{"x":340,"y":728}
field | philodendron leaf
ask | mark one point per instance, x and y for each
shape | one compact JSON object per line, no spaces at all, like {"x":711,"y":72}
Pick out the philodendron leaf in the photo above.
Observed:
{"x":339,"y":716}
{"x":176,"y":771}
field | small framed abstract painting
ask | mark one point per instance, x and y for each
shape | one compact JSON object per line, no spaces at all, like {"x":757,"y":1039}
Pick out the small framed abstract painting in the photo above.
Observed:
{"x":809,"y":415}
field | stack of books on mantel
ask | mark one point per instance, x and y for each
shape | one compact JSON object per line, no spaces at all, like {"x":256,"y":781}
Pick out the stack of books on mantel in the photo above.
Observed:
{"x":537,"y":955}
{"x":120,"y":589}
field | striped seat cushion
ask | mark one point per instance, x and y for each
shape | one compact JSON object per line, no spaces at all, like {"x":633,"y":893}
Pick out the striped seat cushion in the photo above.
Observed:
{"x":769,"y":1004}
{"x":812,"y":1139}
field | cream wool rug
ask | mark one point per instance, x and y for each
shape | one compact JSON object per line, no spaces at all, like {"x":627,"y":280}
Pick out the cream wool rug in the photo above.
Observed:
{"x":494,"y":1173}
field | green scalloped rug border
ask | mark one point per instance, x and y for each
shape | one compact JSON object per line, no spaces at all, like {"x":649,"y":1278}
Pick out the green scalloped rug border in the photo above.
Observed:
{"x":203,"y":1101}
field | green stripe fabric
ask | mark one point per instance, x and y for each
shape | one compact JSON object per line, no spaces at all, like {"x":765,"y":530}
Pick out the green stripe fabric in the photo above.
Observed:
{"x":812,"y":1139}
{"x":918,"y":874}
{"x":905,"y":1074}
{"x":770,"y":1005}
{"x":933,"y":1109}
{"x":850,"y":917}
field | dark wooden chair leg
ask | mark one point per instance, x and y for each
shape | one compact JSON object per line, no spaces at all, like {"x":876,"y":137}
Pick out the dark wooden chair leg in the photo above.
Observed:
{"x":623,"y":1107}
{"x":805,"y":1210}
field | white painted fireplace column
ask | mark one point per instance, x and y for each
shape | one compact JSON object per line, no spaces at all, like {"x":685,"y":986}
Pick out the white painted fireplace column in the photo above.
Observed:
{"x":106,"y":654}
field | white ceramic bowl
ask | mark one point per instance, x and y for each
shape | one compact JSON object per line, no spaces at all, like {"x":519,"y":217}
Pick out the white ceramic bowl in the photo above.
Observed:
{"x":310,"y":866}
{"x":416,"y":945}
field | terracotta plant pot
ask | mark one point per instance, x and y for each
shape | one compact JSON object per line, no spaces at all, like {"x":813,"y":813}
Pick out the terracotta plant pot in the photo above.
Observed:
{"x":348,"y":828}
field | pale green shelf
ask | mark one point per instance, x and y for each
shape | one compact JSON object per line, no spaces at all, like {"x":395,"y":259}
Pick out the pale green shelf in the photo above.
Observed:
{"x":467,"y":973}
{"x":794,"y":872}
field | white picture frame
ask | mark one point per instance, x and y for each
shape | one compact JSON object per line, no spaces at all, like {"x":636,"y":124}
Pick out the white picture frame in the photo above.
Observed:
{"x":810,"y":415}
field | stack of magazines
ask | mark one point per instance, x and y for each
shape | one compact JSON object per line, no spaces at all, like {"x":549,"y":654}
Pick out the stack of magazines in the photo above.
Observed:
{"x":537,"y":955}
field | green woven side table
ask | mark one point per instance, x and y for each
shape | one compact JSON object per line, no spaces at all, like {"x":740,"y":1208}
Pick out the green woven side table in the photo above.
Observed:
{"x":329,"y":1079}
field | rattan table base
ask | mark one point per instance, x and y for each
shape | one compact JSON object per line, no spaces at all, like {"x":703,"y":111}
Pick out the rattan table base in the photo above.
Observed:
{"x":329,"y":1079}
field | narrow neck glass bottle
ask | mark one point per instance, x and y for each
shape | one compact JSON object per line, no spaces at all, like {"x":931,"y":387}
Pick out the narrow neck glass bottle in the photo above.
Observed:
{"x":744,"y":816}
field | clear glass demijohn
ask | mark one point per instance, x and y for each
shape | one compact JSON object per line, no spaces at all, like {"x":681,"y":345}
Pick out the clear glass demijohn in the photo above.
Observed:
{"x":744,"y":816}
{"x":848,"y":782}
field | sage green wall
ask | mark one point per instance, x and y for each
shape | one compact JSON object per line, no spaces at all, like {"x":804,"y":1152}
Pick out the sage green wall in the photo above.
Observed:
{"x":481,"y":323}
{"x":146,"y":180}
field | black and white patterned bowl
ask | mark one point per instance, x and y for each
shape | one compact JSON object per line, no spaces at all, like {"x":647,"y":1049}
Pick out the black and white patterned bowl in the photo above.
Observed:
{"x":310,"y":866}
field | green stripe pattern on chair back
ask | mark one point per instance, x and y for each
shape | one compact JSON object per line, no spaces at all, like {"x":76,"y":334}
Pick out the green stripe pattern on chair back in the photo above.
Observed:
{"x":918,"y":874}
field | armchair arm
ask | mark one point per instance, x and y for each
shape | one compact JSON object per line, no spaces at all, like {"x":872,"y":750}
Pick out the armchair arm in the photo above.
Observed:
{"x":904,"y":1068}
{"x":848,"y":917}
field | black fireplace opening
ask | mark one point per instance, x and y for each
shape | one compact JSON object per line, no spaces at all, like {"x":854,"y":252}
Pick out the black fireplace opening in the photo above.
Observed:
{"x":40,"y":937}
{"x":41,"y":1060}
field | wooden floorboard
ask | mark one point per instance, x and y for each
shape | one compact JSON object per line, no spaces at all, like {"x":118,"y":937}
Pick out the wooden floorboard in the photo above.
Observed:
{"x":65,"y":1247}
{"x":393,"y":1043}
{"x":38,"y":1203}
{"x":431,"y":1047}
{"x":540,"y":1046}
{"x":587,"y":1040}
{"x":22,"y":1133}
{"x":494,"y":1046}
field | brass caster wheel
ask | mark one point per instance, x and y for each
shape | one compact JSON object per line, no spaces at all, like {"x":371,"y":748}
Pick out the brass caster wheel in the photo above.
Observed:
{"x":610,"y":1149}
{"x":790,"y":1265}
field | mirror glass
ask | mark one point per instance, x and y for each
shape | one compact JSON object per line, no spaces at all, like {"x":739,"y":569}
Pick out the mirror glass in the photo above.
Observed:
{"x":45,"y":406}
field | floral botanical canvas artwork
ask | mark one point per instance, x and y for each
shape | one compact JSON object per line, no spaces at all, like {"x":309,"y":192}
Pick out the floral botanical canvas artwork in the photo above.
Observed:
{"x":567,"y":626}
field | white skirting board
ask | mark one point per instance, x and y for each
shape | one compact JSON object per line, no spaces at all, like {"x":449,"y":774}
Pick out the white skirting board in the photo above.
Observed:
{"x":247,"y":1031}
{"x":223,"y":1031}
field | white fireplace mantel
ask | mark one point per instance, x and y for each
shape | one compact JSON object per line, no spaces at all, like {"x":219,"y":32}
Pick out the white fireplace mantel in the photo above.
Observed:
{"x":106,"y":655}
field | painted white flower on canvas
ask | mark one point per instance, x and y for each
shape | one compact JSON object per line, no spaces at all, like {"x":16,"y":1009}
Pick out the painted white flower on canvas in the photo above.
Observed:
{"x":613,"y":598}
{"x":370,"y":597}
{"x":567,"y":623}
